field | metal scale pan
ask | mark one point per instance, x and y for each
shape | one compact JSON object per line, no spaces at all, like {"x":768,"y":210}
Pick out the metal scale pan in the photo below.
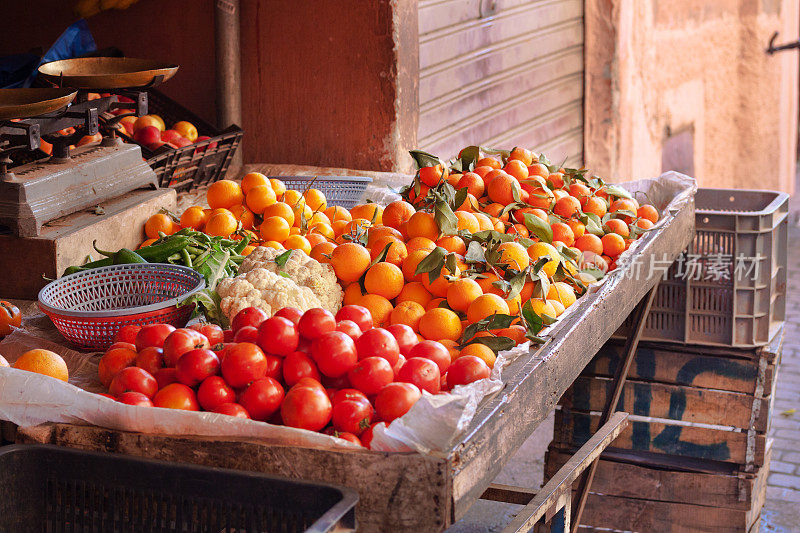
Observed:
{"x":25,"y":103}
{"x":107,"y":72}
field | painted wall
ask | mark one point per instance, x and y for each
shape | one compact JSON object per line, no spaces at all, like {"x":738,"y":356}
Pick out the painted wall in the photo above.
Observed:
{"x":656,"y":68}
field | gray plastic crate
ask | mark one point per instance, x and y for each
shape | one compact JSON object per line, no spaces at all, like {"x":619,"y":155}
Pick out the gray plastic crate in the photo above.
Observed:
{"x":716,"y":295}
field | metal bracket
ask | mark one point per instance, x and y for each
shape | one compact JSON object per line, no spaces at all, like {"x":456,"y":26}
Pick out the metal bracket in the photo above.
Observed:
{"x":771,"y":49}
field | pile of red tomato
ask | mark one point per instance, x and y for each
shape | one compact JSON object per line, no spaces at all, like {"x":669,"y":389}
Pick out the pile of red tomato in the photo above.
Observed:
{"x":313,"y":370}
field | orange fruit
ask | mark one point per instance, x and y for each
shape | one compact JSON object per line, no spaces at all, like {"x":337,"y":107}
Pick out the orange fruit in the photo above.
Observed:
{"x":411,"y":263}
{"x":159,"y":222}
{"x":484,"y":222}
{"x":384,"y":279}
{"x":561,"y":292}
{"x":315,"y":199}
{"x":562,"y":233}
{"x":254,"y":179}
{"x":337,"y":212}
{"x":440,"y":284}
{"x":502,"y":189}
{"x":420,"y":243}
{"x":224,"y":193}
{"x":194,"y":217}
{"x":648,"y":212}
{"x":518,"y":229}
{"x":43,"y":362}
{"x":422,"y":224}
{"x":514,"y":255}
{"x":408,"y":313}
{"x":260,"y":197}
{"x":376,"y":232}
{"x":481,"y":351}
{"x":596,"y":206}
{"x":620,"y":227}
{"x":543,"y":307}
{"x":613,"y":244}
{"x":279,"y":209}
{"x":462,"y":293}
{"x":626,"y":204}
{"x":302,"y":212}
{"x":434,"y":303}
{"x":490,"y":176}
{"x":488,"y":161}
{"x":278,"y":186}
{"x":243,"y":215}
{"x":397,"y":213}
{"x":452,"y":347}
{"x":379,"y":307}
{"x":352,"y":293}
{"x":556,"y":179}
{"x":644,"y":223}
{"x":473,"y":183}
{"x":414,"y":291}
{"x":322,"y":252}
{"x":318,"y":217}
{"x":294,"y":230}
{"x":541,"y":249}
{"x":486,"y":305}
{"x":371,"y":212}
{"x":291,"y":197}
{"x":339,"y":227}
{"x":515,"y":332}
{"x":557,"y":306}
{"x":577,"y":227}
{"x":567,"y":206}
{"x":538,"y":169}
{"x":148,"y":242}
{"x":323,"y":230}
{"x":297,"y":242}
{"x":579,"y":191}
{"x":486,"y":284}
{"x":397,"y":251}
{"x":589,"y":243}
{"x":273,"y":244}
{"x":494,"y":210}
{"x":357,"y":226}
{"x":431,"y":176}
{"x":440,"y":323}
{"x":247,"y":250}
{"x":221,"y":224}
{"x":415,"y":198}
{"x":467,"y":222}
{"x":517,"y":169}
{"x":350,"y":261}
{"x":469,"y":204}
{"x":452,"y":243}
{"x":522,"y":154}
{"x":274,"y":228}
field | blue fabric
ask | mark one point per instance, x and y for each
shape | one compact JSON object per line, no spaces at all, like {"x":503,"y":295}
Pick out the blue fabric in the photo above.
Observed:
{"x":76,"y":41}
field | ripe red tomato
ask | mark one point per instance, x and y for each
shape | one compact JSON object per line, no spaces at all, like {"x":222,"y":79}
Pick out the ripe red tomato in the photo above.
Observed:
{"x":151,"y":359}
{"x":298,"y":365}
{"x":249,"y":316}
{"x":126,"y":345}
{"x":358,"y":314}
{"x":133,"y":379}
{"x":316,"y":322}
{"x":212,"y":332}
{"x":348,"y":394}
{"x":181,"y":341}
{"x":165,"y":376}
{"x":214,"y":392}
{"x":395,"y":399}
{"x":400,"y":362}
{"x":467,"y":369}
{"x":176,"y":396}
{"x":422,"y":372}
{"x":349,"y":437}
{"x":350,"y":328}
{"x":232,"y":409}
{"x":435,"y":351}
{"x":366,"y":437}
{"x":335,"y":353}
{"x":135,"y":398}
{"x":262,"y":398}
{"x":307,"y":408}
{"x":152,"y":335}
{"x":309,"y":382}
{"x":405,"y":337}
{"x":112,"y":362}
{"x":222,"y":350}
{"x":370,"y":375}
{"x":227,"y":335}
{"x":274,"y":366}
{"x":246,"y":334}
{"x":291,"y":314}
{"x":195,"y":366}
{"x":377,"y":342}
{"x":278,"y":335}
{"x":108,"y":395}
{"x":342,"y":382}
{"x":127,"y":333}
{"x":352,"y":416}
{"x":244,"y":362}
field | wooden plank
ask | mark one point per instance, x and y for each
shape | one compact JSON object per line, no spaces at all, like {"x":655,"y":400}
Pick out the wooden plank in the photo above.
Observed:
{"x":574,"y":428}
{"x":397,"y":491}
{"x":674,"y":402}
{"x":498,"y":492}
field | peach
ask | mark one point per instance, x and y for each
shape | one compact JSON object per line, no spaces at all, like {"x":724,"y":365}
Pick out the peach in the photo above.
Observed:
{"x":170,"y":136}
{"x":186,"y":129}
{"x":160,"y":121}
{"x":147,"y":120}
{"x":128,"y":123}
{"x":147,"y":135}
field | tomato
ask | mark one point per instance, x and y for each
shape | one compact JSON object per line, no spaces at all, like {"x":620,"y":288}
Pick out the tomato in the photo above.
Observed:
{"x":316,"y":322}
{"x":350,"y":328}
{"x":10,"y":318}
{"x":246,"y":334}
{"x":127,"y":333}
{"x":307,"y":408}
{"x":133,"y":379}
{"x":278,"y":335}
{"x":112,"y":362}
{"x":358,"y":314}
{"x":342,"y":382}
{"x":153,"y":335}
{"x":176,"y":396}
{"x":134,"y":398}
{"x":196,"y":365}
{"x":335,"y":353}
{"x":181,"y":341}
{"x":244,"y":362}
{"x":274,"y":366}
{"x":249,"y":316}
{"x":309,"y":382}
{"x":165,"y":376}
{"x":377,"y":342}
{"x":151,"y":359}
{"x":299,"y":365}
{"x":366,"y":437}
{"x":422,"y":372}
{"x":262,"y":398}
{"x":435,"y":351}
{"x":370,"y":375}
{"x":405,"y":337}
{"x":349,"y":437}
{"x":227,"y":335}
{"x":107,"y":395}
{"x":352,"y":416}
{"x":348,"y":394}
{"x":401,"y":360}
{"x":212,"y":332}
{"x":232,"y":409}
{"x":126,"y":345}
{"x":467,"y":369}
{"x":395,"y":399}
{"x":214,"y":392}
{"x":291,"y":314}
{"x":222,"y":350}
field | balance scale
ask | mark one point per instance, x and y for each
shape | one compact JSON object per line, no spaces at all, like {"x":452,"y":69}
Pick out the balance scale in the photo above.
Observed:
{"x":52,"y":208}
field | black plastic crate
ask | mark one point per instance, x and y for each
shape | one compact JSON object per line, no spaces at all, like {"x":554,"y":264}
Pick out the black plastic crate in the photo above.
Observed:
{"x":49,"y":488}
{"x":199,"y":163}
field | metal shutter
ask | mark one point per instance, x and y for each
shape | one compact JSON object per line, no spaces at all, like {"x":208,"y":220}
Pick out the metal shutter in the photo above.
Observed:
{"x":513,"y":77}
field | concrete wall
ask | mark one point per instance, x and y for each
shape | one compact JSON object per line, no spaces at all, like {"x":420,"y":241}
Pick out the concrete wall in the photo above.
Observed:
{"x":655,"y":68}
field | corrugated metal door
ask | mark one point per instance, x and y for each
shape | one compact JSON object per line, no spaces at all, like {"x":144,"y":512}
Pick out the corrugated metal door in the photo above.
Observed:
{"x":502,"y":73}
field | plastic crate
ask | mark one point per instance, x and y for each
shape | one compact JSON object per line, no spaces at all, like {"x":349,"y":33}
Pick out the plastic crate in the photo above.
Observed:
{"x":198,"y":164}
{"x":344,"y":191}
{"x":708,"y":300}
{"x":48,"y":488}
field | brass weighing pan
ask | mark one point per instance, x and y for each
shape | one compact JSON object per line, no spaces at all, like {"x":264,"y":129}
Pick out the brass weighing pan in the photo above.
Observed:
{"x":107,"y":72}
{"x":24,"y":103}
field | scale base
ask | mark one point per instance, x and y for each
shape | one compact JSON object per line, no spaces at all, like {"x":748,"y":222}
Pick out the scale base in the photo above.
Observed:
{"x":43,"y":191}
